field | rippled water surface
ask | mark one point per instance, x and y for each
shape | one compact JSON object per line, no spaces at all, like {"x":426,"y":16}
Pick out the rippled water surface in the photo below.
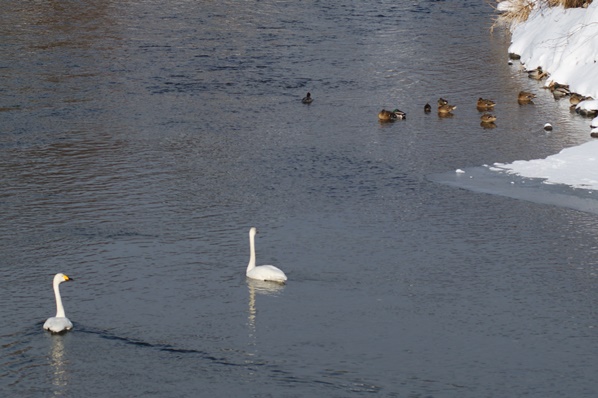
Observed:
{"x":139,"y":141}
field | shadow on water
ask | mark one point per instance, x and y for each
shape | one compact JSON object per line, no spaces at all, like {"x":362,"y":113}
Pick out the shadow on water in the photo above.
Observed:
{"x":20,"y":358}
{"x":249,"y":361}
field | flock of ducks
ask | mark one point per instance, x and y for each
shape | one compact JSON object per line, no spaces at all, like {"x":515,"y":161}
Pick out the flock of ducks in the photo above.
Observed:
{"x":558,"y":91}
{"x":61,"y":324}
{"x":486,"y":105}
{"x":446,"y":110}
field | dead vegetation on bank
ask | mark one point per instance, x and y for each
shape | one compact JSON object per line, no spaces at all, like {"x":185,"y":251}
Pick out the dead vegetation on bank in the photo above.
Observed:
{"x":569,"y":3}
{"x":520,"y":9}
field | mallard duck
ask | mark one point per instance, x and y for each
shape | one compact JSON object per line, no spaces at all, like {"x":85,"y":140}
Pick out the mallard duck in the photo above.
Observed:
{"x":442,"y":101}
{"x":555,"y":85}
{"x":427,"y":108}
{"x":386,"y":116}
{"x":399,"y":114}
{"x":307,"y":99}
{"x":446,"y":109}
{"x":485,"y":104}
{"x":576,"y":98}
{"x":514,"y":56}
{"x":537,"y":73}
{"x":488,"y":118}
{"x":560,"y":92}
{"x":524,"y":97}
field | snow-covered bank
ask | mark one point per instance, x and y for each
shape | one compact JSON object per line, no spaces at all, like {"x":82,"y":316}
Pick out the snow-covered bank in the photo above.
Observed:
{"x":564,"y":43}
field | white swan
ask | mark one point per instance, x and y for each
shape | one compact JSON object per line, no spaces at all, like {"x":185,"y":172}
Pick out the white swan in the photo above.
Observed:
{"x":59,"y":323}
{"x":262,"y":272}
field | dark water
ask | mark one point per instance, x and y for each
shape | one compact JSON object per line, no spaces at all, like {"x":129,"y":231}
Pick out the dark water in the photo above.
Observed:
{"x":140,"y":140}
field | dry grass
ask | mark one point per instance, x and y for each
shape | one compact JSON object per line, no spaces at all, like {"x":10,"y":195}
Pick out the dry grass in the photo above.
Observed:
{"x":568,"y":3}
{"x":519,"y":13}
{"x":522,"y":8}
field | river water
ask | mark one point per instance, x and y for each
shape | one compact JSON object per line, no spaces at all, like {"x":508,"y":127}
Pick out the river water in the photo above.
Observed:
{"x":140,"y":140}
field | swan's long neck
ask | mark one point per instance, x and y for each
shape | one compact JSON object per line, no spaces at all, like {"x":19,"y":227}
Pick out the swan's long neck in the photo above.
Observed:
{"x":59,"y":307}
{"x":251,"y":264}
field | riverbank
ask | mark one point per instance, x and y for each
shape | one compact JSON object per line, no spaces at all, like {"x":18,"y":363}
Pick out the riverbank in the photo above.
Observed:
{"x":561,"y":43}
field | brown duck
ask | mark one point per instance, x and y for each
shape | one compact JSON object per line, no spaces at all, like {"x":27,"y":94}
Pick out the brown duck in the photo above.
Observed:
{"x":537,"y":74}
{"x":488,"y":118}
{"x":386,"y":116}
{"x":525,"y":97}
{"x":445,"y":110}
{"x":485,"y":104}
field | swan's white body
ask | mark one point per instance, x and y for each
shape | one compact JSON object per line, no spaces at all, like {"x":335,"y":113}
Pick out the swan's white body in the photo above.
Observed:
{"x":59,"y":323}
{"x":262,"y":272}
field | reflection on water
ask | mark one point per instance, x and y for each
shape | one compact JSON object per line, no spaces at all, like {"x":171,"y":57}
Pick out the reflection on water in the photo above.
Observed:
{"x":259,"y":287}
{"x":58,"y":363}
{"x":488,"y":125}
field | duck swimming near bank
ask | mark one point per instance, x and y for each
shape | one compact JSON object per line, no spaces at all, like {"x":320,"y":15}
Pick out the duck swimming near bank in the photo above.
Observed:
{"x":575,"y":98}
{"x":525,"y":97}
{"x":559,"y":90}
{"x":537,"y":74}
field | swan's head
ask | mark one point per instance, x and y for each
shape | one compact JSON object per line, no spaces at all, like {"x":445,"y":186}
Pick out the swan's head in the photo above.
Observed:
{"x":252,"y":231}
{"x":59,"y":278}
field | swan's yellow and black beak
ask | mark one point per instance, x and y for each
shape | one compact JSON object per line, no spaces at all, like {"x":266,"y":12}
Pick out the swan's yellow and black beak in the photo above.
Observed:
{"x":67,"y":278}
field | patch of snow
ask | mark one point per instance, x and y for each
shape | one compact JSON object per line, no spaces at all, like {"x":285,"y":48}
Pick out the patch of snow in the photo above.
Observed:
{"x":577,"y":167}
{"x":587,"y":105}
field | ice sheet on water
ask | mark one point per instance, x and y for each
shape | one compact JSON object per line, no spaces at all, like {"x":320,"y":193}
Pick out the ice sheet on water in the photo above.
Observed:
{"x":495,"y":181}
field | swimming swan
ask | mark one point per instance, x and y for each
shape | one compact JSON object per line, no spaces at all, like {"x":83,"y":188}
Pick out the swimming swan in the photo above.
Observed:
{"x":262,"y":272}
{"x":59,"y":323}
